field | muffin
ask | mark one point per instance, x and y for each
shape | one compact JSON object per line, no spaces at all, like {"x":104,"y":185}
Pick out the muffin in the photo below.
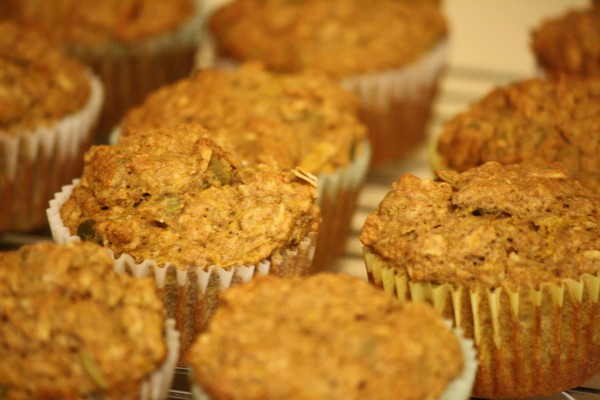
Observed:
{"x":328,"y":336}
{"x":70,"y":328}
{"x":135,"y":46}
{"x":171,"y":204}
{"x":391,"y":53}
{"x":534,"y":121}
{"x":49,"y":106}
{"x":299,"y":120}
{"x":511,"y":254}
{"x":569,"y":43}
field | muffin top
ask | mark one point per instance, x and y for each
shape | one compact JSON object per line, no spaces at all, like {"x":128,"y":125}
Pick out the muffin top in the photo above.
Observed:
{"x":70,"y":327}
{"x":340,"y":37}
{"x":39,"y":84}
{"x":293,"y":120}
{"x":173,"y":196}
{"x":324,"y":336}
{"x":533,"y":121}
{"x":569,"y":43}
{"x":491,"y":226}
{"x":98,"y":22}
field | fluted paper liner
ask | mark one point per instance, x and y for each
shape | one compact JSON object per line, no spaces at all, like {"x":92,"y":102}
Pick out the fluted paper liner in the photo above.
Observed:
{"x":34,"y":164}
{"x":157,"y":386}
{"x":529,"y":341}
{"x":338,"y":192}
{"x":458,"y":389}
{"x":191,"y":293}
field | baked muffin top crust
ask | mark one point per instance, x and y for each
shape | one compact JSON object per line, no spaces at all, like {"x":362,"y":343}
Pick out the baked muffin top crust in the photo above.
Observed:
{"x":173,"y":196}
{"x":325,"y":336}
{"x":97,"y":22}
{"x":70,"y":327}
{"x":340,"y":37}
{"x":533,"y":121}
{"x":294,"y":120}
{"x":569,"y":43}
{"x":490,"y":226}
{"x":39,"y":84}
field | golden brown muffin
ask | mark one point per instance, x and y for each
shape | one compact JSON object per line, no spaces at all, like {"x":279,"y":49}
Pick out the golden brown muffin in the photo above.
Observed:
{"x":534,"y":121}
{"x":511,"y":254}
{"x":569,"y":43}
{"x":291,"y":120}
{"x":49,"y":104}
{"x":324,"y":337}
{"x":135,"y":46}
{"x":71,"y":328}
{"x":174,"y":200}
{"x":389,"y":52}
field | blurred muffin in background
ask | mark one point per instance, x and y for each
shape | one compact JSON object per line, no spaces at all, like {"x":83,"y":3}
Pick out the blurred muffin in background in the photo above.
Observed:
{"x":511,"y":254}
{"x":535,"y":121}
{"x":49,"y":107}
{"x":135,"y":46}
{"x":172,"y":204}
{"x":569,"y":43}
{"x":71,"y":328}
{"x":391,"y":53}
{"x":328,"y":336}
{"x":295,"y":120}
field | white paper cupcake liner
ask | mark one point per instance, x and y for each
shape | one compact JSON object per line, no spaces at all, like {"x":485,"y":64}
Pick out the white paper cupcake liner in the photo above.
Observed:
{"x":157,"y":386}
{"x":379,"y":88}
{"x":35,"y":163}
{"x":529,"y":341}
{"x":337,"y":197}
{"x":190,"y":293}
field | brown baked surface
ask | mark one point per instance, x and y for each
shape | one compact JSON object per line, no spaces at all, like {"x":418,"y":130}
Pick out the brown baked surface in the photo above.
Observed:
{"x":39,"y":84}
{"x":70,"y":327}
{"x":569,"y":43}
{"x":172,"y":196}
{"x":491,"y":226}
{"x":323,"y":337}
{"x":98,"y":22}
{"x":294,"y":120}
{"x":533,"y":121}
{"x":341,"y":37}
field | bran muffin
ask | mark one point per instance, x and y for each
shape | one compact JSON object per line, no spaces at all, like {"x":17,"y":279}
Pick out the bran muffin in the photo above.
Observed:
{"x":390,"y":52}
{"x":328,"y":336}
{"x":172,"y":204}
{"x":569,"y":43}
{"x":535,"y":121}
{"x":299,"y":120}
{"x":511,"y":253}
{"x":135,"y":46}
{"x":70,"y":328}
{"x":49,"y":106}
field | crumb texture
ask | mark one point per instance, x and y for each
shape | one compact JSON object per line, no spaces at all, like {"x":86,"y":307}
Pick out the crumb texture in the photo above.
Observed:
{"x":493,"y":225}
{"x":70,"y":327}
{"x":533,"y":121}
{"x":39,"y":84}
{"x":173,"y":196}
{"x":101,"y":22}
{"x":294,"y":35}
{"x":294,"y":120}
{"x":323,"y":337}
{"x":569,"y":43}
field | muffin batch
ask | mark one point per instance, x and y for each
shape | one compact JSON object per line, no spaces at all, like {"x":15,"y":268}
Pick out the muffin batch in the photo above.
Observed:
{"x":197,"y":165}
